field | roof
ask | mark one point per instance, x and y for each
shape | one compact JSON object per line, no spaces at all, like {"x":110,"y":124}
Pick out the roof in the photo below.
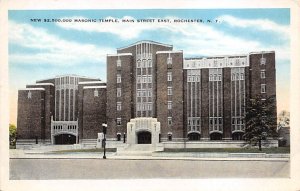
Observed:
{"x":65,"y":75}
{"x":41,"y":84}
{"x":169,"y":52}
{"x":94,"y":87}
{"x":146,"y":41}
{"x":92,"y":82}
{"x":32,"y":89}
{"x":262,"y":52}
{"x":216,"y":56}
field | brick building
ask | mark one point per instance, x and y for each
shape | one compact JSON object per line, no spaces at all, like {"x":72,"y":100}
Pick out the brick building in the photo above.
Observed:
{"x":193,"y":99}
{"x":55,"y":110}
{"x":153,"y":95}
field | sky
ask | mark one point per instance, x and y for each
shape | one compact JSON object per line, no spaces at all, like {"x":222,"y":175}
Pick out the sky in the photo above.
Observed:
{"x":40,"y":50}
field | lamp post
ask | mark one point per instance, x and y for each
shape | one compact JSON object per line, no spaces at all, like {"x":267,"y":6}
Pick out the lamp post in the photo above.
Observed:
{"x":104,"y":139}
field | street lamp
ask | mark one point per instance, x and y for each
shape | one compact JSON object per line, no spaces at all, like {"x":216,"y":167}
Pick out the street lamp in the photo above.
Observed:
{"x":104,"y":139}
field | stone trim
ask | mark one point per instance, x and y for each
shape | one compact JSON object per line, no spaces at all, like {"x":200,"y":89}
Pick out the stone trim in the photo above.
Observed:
{"x":32,"y":89}
{"x":93,"y":87}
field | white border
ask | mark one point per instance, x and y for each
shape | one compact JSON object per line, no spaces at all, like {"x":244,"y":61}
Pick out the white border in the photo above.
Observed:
{"x":154,"y":184}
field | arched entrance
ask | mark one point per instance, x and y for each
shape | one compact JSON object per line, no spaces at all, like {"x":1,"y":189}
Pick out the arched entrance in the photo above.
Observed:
{"x":237,"y":136}
{"x":194,"y":136}
{"x":65,"y":139}
{"x":144,"y":137}
{"x":215,"y":136}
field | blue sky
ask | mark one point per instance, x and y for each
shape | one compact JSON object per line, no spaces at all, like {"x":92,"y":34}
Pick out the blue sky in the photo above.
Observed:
{"x":39,"y":50}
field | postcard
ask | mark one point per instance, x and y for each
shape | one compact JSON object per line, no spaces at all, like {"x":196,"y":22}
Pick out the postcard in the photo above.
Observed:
{"x":126,"y":97}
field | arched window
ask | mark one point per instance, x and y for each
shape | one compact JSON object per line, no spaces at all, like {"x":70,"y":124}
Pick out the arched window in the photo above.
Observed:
{"x":119,"y":137}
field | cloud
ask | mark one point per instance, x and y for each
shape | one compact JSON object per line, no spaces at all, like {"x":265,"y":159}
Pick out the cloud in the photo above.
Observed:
{"x":257,"y":24}
{"x":193,"y":38}
{"x":51,"y":49}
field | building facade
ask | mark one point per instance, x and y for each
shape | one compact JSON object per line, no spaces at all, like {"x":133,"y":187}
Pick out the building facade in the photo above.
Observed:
{"x":191,"y":99}
{"x":66,"y":109}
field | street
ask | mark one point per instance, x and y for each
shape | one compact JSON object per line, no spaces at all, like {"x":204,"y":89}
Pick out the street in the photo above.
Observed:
{"x":51,"y":169}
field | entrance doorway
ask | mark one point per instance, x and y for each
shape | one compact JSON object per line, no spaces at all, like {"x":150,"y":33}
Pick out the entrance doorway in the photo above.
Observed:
{"x":216,"y":136}
{"x":238,"y":136}
{"x":65,"y":139}
{"x":194,"y":136}
{"x":144,"y":137}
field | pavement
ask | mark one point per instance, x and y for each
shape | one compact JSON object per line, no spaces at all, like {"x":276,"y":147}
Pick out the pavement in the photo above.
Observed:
{"x":39,"y":154}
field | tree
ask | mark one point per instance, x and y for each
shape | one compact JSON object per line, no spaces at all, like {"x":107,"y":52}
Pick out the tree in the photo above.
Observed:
{"x":260,"y":120}
{"x":12,"y":134}
{"x":283,"y":119}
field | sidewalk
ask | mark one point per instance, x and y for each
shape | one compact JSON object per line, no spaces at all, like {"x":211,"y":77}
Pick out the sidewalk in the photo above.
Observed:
{"x":37,"y":154}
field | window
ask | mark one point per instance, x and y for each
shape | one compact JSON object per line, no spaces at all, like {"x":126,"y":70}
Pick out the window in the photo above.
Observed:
{"x":144,"y":65}
{"x":150,"y":79}
{"x":262,"y":74}
{"x":118,"y":78}
{"x":263,"y":61}
{"x":215,"y":77}
{"x":169,"y":60}
{"x":119,"y":92}
{"x":119,"y":120}
{"x":263,"y":88}
{"x":242,"y":76}
{"x":144,"y":79}
{"x":96,"y":93}
{"x":169,"y":136}
{"x":169,"y":104}
{"x":119,"y":106}
{"x":118,"y":63}
{"x":139,"y":79}
{"x":149,"y":106}
{"x":220,"y":121}
{"x":233,"y":77}
{"x":144,"y":93}
{"x":210,"y":77}
{"x":149,"y":63}
{"x":219,"y":77}
{"x":169,"y":121}
{"x":169,"y":76}
{"x":138,"y":64}
{"x":170,"y":92}
{"x":29,"y":95}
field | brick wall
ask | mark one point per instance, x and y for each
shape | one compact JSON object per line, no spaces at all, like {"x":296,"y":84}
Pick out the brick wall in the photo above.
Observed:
{"x":31,"y":114}
{"x":162,"y":95}
{"x":126,"y":98}
{"x":94,"y":112}
{"x":49,"y":107}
